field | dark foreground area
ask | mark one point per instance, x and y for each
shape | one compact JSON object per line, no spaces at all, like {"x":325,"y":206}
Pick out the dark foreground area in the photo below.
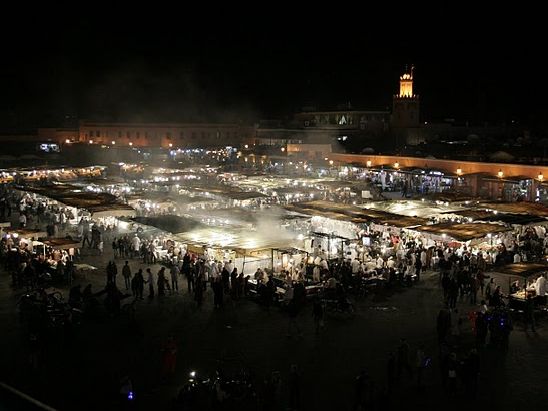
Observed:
{"x":82,"y":368}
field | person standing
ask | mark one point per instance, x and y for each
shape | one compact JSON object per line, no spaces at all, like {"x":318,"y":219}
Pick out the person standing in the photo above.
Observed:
{"x":293,"y":309}
{"x":420,"y":363}
{"x":22,"y":220}
{"x":169,"y":357}
{"x":403,"y":358}
{"x":294,"y":388}
{"x":199,"y":290}
{"x":126,"y":273}
{"x":174,"y":273}
{"x":317,"y":314}
{"x":162,"y":282}
{"x":150,"y":282}
{"x":139,"y":284}
{"x":530,"y":313}
{"x":452,"y":375}
{"x":390,"y":372}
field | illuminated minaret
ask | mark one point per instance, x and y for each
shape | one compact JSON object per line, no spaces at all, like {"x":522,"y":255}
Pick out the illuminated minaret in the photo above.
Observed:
{"x":405,"y":107}
{"x":406,"y":84}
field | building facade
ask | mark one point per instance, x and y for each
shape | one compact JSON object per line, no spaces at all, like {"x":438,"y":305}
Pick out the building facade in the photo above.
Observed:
{"x":152,"y":134}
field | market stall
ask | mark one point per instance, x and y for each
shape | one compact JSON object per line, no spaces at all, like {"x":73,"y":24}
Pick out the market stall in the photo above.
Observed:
{"x":525,"y":280}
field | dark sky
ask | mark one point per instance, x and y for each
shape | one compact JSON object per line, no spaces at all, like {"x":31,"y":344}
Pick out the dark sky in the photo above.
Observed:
{"x":199,"y":64}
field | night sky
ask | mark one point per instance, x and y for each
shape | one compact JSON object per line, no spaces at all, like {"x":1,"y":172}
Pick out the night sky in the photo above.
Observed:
{"x":113,"y":63}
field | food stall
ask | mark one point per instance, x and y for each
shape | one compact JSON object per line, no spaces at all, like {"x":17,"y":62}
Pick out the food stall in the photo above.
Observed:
{"x":526,"y":274}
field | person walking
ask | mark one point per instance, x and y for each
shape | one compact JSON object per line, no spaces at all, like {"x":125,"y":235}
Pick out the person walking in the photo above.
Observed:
{"x":126,"y":273}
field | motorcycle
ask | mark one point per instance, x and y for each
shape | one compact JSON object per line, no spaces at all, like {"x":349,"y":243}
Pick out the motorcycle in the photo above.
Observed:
{"x":221,"y":392}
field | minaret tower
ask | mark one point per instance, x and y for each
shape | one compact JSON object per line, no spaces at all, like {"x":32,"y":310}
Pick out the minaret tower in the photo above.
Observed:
{"x":405,"y":105}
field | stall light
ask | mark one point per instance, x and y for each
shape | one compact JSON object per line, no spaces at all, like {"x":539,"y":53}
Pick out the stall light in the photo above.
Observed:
{"x":459,"y":172}
{"x":246,"y":146}
{"x":283,"y":149}
{"x":170,"y":145}
{"x":113,"y":142}
{"x":330,"y":162}
{"x":540,"y":177}
{"x":500,"y":174}
{"x":90,"y":141}
{"x":130,"y":143}
{"x":67,"y":141}
{"x":15,"y":235}
{"x":396,"y":165}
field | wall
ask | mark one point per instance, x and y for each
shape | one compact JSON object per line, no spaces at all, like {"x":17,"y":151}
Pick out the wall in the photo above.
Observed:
{"x":450,"y":166}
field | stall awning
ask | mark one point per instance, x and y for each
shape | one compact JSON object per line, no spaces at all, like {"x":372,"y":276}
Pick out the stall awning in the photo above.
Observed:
{"x":353,"y":214}
{"x":519,"y":219}
{"x":462,"y":232}
{"x":170,"y":223}
{"x":522,"y":269}
{"x":62,"y":243}
{"x":27,"y":233}
{"x":111,"y":210}
{"x":520,"y":207}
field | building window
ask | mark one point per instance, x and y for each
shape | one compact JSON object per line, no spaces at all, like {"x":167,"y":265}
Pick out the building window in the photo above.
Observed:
{"x":128,"y":134}
{"x":97,"y":133}
{"x":119,"y":134}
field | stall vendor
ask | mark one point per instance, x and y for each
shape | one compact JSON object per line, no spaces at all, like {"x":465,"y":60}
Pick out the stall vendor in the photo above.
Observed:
{"x":540,"y":287}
